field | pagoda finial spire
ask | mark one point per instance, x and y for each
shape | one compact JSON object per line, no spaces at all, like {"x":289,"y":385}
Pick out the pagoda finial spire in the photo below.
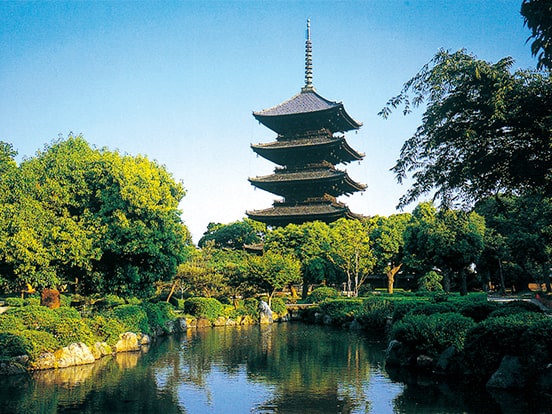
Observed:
{"x":308,"y":61}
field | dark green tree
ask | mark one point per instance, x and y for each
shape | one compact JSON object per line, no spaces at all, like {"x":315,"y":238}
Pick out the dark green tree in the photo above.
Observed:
{"x":484,"y":131}
{"x":537,"y":16}
{"x":234,"y":235}
{"x":447,"y":240}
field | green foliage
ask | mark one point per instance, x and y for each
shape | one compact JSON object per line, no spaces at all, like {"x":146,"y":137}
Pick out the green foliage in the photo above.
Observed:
{"x":279,"y":306}
{"x":37,"y":342}
{"x":15,"y":302}
{"x":108,"y":220}
{"x":420,"y":307}
{"x":11,"y":345}
{"x":430,"y":282}
{"x":485,"y":130}
{"x":34,"y":316}
{"x":536,"y":346}
{"x":322,"y":293}
{"x":106,"y":329}
{"x":273,"y":271}
{"x":341,"y":310}
{"x":234,"y":235}
{"x":11,"y":323}
{"x":432,"y":334}
{"x":478,"y":310}
{"x":133,"y":318}
{"x":536,"y":16}
{"x":514,"y":307}
{"x":488,"y":342}
{"x":209,"y":308}
{"x":109,"y":301}
{"x":159,"y":314}
{"x":375,"y":313}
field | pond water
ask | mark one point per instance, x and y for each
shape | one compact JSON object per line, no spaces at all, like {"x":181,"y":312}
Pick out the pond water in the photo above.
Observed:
{"x":281,"y":368}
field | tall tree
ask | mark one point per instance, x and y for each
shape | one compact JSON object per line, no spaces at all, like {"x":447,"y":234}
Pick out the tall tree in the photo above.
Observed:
{"x":485,"y":130}
{"x":234,"y":235}
{"x":522,"y":238}
{"x":387,"y":239}
{"x":537,"y":16}
{"x":351,"y":252}
{"x":273,"y":271}
{"x":449,"y":240}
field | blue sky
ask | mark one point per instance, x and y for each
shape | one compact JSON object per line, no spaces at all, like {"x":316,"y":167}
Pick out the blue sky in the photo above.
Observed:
{"x":178,"y":81}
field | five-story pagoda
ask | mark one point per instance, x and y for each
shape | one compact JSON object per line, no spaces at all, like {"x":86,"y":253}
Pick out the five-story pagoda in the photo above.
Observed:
{"x":306,"y":150}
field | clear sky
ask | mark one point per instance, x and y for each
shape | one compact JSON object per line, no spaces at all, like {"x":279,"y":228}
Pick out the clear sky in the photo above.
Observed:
{"x":178,"y":81}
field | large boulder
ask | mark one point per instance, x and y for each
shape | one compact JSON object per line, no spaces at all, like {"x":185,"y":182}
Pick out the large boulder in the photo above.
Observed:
{"x":393,"y":353}
{"x":75,"y":354}
{"x":101,"y":349}
{"x":442,"y":366}
{"x":265,"y":313}
{"x":509,"y":374}
{"x":127,"y":342}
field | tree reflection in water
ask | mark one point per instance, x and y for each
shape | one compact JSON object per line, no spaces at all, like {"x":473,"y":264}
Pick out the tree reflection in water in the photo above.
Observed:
{"x":281,"y":368}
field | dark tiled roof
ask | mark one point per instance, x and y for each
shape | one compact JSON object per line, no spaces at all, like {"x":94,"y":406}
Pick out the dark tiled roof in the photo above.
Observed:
{"x":307,"y":111}
{"x":305,"y":101}
{"x":283,"y":214}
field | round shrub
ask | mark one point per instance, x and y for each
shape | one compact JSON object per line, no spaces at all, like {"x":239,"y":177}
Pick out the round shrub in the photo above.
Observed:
{"x":15,"y":302}
{"x":10,"y":323}
{"x":418,"y":307}
{"x":375,"y":312}
{"x":132,"y":317}
{"x":106,"y":329}
{"x":478,"y":310}
{"x":431,"y":335}
{"x":488,"y":342}
{"x":70,"y":330}
{"x":11,"y":345}
{"x":322,"y":293}
{"x":536,"y":346}
{"x":159,"y":314}
{"x":278,"y":306}
{"x":341,"y":310}
{"x":514,"y":307}
{"x":37,"y":342}
{"x":34,"y":316}
{"x":209,"y":308}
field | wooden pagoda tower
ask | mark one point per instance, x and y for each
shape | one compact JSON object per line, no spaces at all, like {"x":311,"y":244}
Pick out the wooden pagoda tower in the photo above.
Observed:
{"x":306,"y":151}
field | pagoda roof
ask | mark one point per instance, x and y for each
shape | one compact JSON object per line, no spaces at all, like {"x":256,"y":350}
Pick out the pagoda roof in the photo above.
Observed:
{"x":309,"y":181}
{"x":282,"y":214}
{"x":307,"y":111}
{"x":318,"y":148}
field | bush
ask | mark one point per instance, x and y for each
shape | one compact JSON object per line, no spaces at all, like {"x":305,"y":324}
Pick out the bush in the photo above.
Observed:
{"x":431,"y":335}
{"x":430,"y":282}
{"x":488,"y":342}
{"x":109,"y":301}
{"x":514,"y":307}
{"x":477,"y":310}
{"x":15,"y":302}
{"x":159,"y":314}
{"x":37,"y":342}
{"x":421,"y":307}
{"x":11,"y":345}
{"x":278,"y":306}
{"x":10,"y":323}
{"x":34,"y":317}
{"x":341,"y":310}
{"x":106,"y":329}
{"x":209,"y":308}
{"x":322,"y":293}
{"x":132,"y":317}
{"x":536,"y":346}
{"x":375,"y":312}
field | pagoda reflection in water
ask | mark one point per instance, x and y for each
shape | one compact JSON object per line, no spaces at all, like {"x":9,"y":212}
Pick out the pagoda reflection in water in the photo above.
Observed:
{"x":306,"y":150}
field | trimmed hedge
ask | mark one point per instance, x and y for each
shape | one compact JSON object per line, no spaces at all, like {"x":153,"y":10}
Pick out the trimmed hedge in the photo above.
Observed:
{"x":431,"y":334}
{"x":133,"y":318}
{"x":199,"y":307}
{"x":490,"y":340}
{"x":341,"y":310}
{"x":322,"y":293}
{"x":375,"y":313}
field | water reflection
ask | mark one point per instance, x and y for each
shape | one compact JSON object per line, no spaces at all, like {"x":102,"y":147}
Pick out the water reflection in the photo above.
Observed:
{"x":288,"y":368}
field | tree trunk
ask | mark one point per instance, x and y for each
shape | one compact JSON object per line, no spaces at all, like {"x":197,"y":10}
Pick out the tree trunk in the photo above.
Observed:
{"x":463,"y":283}
{"x":393,"y":270}
{"x":173,"y":287}
{"x":446,"y":282}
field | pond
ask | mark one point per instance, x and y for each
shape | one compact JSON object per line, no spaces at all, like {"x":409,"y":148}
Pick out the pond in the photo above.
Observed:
{"x":281,"y":368}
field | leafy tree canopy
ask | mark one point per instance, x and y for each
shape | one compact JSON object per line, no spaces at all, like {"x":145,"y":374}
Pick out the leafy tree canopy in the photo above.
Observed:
{"x":234,"y":235}
{"x":537,"y":16}
{"x":485,"y":130}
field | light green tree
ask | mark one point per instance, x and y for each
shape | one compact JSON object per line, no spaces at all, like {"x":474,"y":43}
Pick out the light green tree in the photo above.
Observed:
{"x":351,"y":252}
